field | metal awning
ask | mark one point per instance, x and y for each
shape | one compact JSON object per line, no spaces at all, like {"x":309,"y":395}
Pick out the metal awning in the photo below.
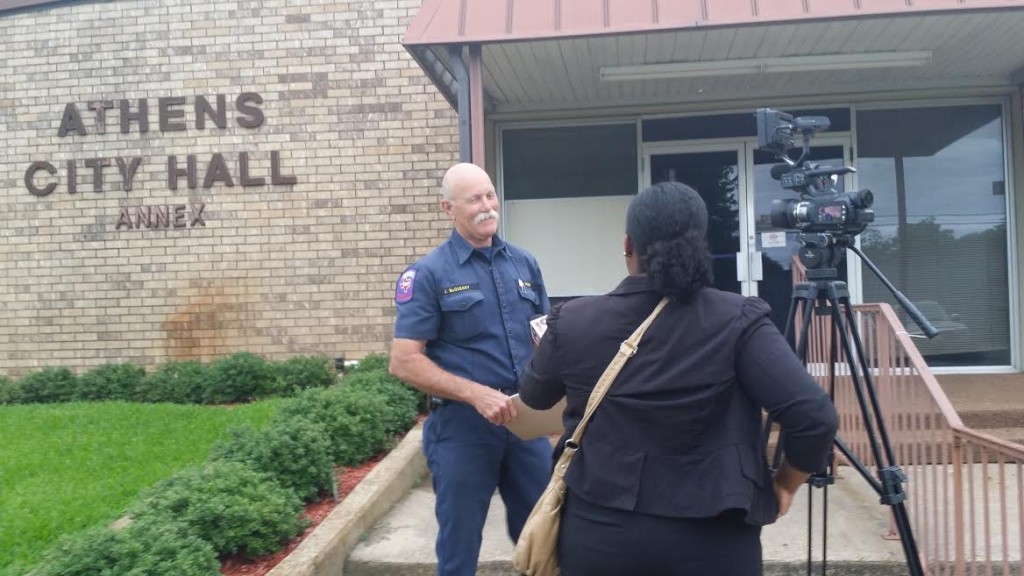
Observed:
{"x":12,"y":5}
{"x":484,"y":21}
{"x":555,"y":54}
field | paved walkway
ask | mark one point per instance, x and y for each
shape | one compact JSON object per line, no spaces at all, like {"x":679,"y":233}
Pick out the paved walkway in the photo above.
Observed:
{"x":403,"y":541}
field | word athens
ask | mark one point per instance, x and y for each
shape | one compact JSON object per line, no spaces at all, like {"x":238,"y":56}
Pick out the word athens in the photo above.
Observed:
{"x":171,"y":117}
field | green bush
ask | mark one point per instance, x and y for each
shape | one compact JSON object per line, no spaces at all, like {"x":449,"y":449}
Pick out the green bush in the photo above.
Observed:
{"x":377,"y":364}
{"x":176,"y":381}
{"x":48,"y":385}
{"x":303,"y":372}
{"x":240,"y":377}
{"x":398,"y":401}
{"x":294,"y":452}
{"x":354,"y":421}
{"x":227,"y":504}
{"x":83,"y":553}
{"x":110,"y":382}
{"x":10,"y":391}
{"x":142,"y":548}
{"x":370,"y":363}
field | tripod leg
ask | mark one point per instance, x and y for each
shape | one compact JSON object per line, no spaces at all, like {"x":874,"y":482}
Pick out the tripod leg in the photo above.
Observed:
{"x":890,"y":476}
{"x":870,"y":389}
{"x":806,"y":293}
{"x":827,"y":476}
{"x":810,"y":526}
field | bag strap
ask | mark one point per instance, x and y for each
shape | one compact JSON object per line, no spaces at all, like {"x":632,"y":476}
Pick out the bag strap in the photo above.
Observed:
{"x":626,"y":351}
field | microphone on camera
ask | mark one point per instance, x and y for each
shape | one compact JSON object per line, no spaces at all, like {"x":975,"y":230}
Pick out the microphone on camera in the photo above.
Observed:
{"x":779,"y":169}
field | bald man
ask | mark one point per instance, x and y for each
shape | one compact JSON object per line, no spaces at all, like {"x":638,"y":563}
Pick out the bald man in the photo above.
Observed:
{"x":462,"y":336}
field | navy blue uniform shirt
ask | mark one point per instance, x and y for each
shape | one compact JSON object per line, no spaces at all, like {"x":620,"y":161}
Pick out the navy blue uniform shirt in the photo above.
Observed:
{"x":473,"y":307}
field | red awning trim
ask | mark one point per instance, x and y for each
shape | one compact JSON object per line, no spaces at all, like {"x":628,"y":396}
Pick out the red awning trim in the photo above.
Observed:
{"x":486,"y":21}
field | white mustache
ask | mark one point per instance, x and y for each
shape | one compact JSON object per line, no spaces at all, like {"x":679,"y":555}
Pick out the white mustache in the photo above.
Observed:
{"x":485,"y":216}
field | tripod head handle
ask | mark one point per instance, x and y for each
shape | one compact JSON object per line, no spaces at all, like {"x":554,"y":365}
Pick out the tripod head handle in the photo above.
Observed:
{"x":926,"y":327}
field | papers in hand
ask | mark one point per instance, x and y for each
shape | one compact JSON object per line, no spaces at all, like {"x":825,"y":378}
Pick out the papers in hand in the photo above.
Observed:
{"x":531,"y":423}
{"x":538,"y":326}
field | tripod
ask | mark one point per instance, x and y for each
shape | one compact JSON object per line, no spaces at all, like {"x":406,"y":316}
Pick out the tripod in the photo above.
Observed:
{"x":824,"y":295}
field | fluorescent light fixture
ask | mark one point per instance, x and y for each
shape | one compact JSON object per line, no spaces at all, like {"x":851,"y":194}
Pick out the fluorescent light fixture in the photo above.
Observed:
{"x":810,"y":63}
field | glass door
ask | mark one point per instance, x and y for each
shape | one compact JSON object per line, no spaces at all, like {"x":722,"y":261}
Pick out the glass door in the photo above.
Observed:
{"x":718,"y":175}
{"x":751,"y":257}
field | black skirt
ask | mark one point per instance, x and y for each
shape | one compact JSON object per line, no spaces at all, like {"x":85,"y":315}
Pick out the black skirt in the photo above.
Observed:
{"x":599,"y":541}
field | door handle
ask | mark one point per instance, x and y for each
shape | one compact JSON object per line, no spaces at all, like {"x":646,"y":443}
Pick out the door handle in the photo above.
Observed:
{"x":749,"y":268}
{"x":756,"y":272}
{"x":742,"y":268}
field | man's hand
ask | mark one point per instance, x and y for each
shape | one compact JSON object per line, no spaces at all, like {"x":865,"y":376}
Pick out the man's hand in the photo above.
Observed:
{"x":498,"y":408}
{"x":411,"y":365}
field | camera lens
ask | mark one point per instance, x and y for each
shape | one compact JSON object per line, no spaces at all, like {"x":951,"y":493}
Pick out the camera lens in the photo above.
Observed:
{"x":783,"y":213}
{"x":862,"y":198}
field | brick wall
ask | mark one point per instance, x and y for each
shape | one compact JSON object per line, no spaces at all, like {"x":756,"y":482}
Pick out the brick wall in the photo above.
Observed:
{"x":276,"y":269}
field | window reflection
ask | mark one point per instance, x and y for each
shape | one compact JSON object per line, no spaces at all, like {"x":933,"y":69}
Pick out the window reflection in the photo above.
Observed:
{"x":940,"y":225}
{"x":569,"y":161}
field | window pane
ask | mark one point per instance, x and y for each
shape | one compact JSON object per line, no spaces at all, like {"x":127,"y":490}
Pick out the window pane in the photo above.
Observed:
{"x":569,"y":162}
{"x":940,"y":227}
{"x":566,"y":191}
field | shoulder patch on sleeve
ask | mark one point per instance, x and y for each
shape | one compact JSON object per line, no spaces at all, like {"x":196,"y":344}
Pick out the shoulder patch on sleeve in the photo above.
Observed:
{"x":405,"y":285}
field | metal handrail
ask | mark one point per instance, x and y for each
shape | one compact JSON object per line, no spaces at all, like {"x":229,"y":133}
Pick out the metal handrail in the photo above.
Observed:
{"x":965,"y":490}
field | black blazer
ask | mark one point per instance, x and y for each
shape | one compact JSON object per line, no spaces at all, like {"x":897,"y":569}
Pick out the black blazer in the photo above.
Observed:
{"x":679,"y":432}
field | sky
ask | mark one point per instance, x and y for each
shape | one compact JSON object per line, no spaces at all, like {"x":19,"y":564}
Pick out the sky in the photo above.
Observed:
{"x":954,"y":186}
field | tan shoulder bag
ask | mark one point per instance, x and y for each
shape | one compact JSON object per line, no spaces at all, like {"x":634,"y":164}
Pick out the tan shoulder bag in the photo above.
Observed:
{"x":536,"y":552}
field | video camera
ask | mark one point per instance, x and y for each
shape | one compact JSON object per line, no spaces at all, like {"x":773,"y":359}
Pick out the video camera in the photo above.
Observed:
{"x":821,"y":207}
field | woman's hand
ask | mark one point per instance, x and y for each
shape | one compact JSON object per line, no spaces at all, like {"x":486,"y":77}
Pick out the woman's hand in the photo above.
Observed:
{"x":786,"y":482}
{"x":784,"y":497}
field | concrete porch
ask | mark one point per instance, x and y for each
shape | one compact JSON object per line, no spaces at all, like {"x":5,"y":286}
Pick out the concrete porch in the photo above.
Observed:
{"x":402,"y":541}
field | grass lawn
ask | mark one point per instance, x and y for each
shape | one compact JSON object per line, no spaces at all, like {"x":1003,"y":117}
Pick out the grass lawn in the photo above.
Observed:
{"x":64,"y":467}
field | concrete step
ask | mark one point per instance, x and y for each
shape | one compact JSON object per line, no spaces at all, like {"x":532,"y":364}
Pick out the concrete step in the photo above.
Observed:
{"x":1008,"y":434}
{"x":990,"y":403}
{"x":1006,"y":417}
{"x":402,"y":543}
{"x":986,"y":394}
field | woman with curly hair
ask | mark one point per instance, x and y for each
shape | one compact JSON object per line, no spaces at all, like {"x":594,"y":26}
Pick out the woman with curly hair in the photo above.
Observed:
{"x":671,"y":476}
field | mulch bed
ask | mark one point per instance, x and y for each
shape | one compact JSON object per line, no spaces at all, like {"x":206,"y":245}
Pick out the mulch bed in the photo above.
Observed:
{"x":348,"y":479}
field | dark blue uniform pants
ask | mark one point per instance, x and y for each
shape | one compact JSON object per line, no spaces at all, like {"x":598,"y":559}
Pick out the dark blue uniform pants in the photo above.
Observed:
{"x":468,"y":458}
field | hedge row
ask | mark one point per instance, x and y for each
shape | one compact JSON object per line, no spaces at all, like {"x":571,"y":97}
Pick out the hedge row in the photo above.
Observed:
{"x":247,"y":497}
{"x":241,"y":377}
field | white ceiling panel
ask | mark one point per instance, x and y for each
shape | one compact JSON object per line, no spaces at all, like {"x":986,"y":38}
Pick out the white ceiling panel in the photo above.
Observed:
{"x":976,"y":48}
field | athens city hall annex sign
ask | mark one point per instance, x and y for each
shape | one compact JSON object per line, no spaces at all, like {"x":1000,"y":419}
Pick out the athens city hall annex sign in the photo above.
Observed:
{"x":172,"y":118}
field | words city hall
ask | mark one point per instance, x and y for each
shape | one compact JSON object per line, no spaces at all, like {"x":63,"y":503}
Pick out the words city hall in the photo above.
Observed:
{"x":42,"y":177}
{"x":216,"y":170}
